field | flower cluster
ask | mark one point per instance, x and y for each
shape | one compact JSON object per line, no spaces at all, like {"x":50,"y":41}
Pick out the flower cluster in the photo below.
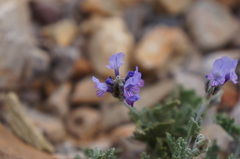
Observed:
{"x":127,"y":88}
{"x":223,"y":70}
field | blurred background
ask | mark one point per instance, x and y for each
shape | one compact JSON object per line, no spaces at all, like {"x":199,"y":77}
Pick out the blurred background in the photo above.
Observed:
{"x":50,"y":49}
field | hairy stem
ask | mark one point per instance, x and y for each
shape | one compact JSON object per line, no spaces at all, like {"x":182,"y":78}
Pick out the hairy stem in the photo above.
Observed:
{"x":133,"y":110}
{"x":199,"y":114}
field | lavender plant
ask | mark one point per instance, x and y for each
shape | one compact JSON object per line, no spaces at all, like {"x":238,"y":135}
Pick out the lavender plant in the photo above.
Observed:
{"x":163,"y":128}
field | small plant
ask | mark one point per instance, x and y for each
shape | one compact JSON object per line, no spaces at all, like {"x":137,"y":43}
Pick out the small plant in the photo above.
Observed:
{"x":170,"y":129}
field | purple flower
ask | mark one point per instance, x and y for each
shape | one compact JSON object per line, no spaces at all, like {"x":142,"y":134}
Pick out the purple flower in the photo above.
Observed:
{"x":132,"y":99}
{"x":122,"y":88}
{"x":102,"y":87}
{"x":131,"y":87}
{"x":223,"y":70}
{"x":115,"y":62}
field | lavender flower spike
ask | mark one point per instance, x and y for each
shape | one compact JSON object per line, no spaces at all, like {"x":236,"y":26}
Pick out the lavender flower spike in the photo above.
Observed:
{"x":223,"y":70}
{"x":115,"y":62}
{"x":102,"y":87}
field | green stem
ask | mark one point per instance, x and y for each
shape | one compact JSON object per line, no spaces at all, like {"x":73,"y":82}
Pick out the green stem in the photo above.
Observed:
{"x":199,"y":114}
{"x":237,"y":152}
{"x":133,"y":110}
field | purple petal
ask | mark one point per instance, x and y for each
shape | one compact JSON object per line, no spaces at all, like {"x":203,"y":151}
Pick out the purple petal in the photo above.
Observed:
{"x":131,"y":90}
{"x":115,"y":62}
{"x":102,"y":87}
{"x":100,"y":93}
{"x":222,"y":71}
{"x":141,"y":83}
{"x":131,"y":100}
{"x":95,"y":80}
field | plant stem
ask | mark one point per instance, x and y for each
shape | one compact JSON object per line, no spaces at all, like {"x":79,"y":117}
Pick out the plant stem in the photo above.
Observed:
{"x":237,"y":152}
{"x":133,"y":110}
{"x":200,"y":111}
{"x":199,"y":114}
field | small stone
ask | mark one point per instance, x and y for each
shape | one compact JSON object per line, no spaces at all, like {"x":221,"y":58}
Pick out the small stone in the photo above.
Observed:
{"x":127,"y":3}
{"x":124,"y":131}
{"x":40,"y":63}
{"x":63,"y":32}
{"x":13,"y":148}
{"x":103,"y":7}
{"x":207,"y":21}
{"x":113,"y":114}
{"x":222,"y":137}
{"x":160,"y":45}
{"x":229,"y":97}
{"x":173,"y":6}
{"x":90,"y":25}
{"x":111,"y":37}
{"x":229,"y":3}
{"x":63,"y":60}
{"x":83,"y":122}
{"x":82,"y":67}
{"x":151,"y":95}
{"x":85,"y":92}
{"x":52,"y":127}
{"x":57,"y":103}
{"x":122,"y":138}
{"x":16,"y":43}
{"x":45,"y":11}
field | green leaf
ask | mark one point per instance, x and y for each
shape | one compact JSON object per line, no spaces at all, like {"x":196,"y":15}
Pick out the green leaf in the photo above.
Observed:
{"x":194,"y":127}
{"x":213,"y":151}
{"x":228,"y":124}
{"x":77,"y":157}
{"x":144,"y":155}
{"x":99,"y":154}
{"x":178,"y":147}
{"x":230,"y":156}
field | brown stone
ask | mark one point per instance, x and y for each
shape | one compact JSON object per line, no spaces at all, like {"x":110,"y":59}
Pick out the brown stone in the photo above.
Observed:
{"x":13,"y":148}
{"x":82,"y":67}
{"x":207,"y":21}
{"x":83,"y":123}
{"x":63,"y":60}
{"x":16,"y":42}
{"x":173,"y":6}
{"x":58,"y":101}
{"x":52,"y":127}
{"x":113,"y":114}
{"x":154,"y":93}
{"x":111,"y":37}
{"x":229,"y":3}
{"x":230,"y":96}
{"x":124,"y":131}
{"x":222,"y":137}
{"x":103,"y":7}
{"x":122,"y":138}
{"x":63,"y":32}
{"x":160,"y":45}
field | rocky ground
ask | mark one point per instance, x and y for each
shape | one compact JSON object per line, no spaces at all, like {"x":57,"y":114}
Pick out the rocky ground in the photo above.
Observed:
{"x":49,"y":50}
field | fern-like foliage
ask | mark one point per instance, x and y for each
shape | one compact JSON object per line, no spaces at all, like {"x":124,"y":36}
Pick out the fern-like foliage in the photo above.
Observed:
{"x":229,"y":125}
{"x":173,"y":117}
{"x":178,"y":147}
{"x":99,"y":154}
{"x":213,"y":151}
{"x":144,"y":155}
